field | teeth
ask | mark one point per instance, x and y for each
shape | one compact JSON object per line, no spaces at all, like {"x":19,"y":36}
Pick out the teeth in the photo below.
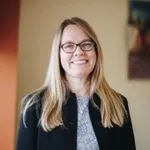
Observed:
{"x":79,"y":62}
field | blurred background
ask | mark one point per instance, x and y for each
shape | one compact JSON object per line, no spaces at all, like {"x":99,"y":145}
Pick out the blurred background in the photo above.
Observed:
{"x":139,"y":39}
{"x":9,"y":32}
{"x":26,"y":32}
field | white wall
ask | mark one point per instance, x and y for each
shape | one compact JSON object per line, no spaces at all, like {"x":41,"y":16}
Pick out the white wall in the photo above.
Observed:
{"x":39,"y":21}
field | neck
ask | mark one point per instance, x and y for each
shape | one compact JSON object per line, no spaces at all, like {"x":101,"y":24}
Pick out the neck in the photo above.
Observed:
{"x":79,"y":86}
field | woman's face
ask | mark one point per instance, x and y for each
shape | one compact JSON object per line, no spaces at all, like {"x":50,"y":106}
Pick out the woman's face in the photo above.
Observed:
{"x":80,"y":63}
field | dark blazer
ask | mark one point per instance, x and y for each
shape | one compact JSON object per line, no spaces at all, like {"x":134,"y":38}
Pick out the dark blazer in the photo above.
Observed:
{"x":65,"y":138}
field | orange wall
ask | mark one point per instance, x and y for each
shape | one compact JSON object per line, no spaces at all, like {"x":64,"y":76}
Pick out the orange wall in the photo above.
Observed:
{"x":9,"y":25}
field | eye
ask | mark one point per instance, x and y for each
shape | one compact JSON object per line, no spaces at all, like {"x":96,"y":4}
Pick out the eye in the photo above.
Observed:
{"x":68,"y":46}
{"x":87,"y":45}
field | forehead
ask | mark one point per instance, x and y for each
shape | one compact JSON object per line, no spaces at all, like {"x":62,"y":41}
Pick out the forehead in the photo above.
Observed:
{"x":73,"y":33}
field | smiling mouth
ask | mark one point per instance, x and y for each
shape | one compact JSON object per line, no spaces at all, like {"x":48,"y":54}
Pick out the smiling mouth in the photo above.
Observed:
{"x":79,"y":62}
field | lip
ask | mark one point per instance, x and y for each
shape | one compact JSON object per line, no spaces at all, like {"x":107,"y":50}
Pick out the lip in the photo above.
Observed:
{"x":79,"y":60}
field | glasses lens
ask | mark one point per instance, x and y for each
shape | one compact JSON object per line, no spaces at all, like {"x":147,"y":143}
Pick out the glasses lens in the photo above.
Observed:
{"x":88,"y":45}
{"x":69,"y":47}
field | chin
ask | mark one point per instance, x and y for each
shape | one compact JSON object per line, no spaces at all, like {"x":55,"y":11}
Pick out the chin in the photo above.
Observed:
{"x":79,"y":75}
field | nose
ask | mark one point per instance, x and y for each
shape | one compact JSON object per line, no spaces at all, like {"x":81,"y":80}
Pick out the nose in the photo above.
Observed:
{"x":78,"y":51}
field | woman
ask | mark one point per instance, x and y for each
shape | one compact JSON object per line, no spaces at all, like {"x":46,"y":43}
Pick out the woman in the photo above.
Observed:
{"x":75,"y":109}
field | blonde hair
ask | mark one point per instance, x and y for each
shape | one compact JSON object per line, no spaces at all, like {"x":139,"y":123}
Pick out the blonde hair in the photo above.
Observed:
{"x":112,"y":109}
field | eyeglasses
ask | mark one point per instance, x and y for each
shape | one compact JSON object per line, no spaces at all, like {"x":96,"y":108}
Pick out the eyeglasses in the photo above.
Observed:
{"x":71,"y":47}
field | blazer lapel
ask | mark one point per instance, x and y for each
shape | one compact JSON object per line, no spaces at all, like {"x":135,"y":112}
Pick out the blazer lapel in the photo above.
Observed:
{"x":105,"y":136}
{"x":70,"y":119}
{"x":96,"y":118}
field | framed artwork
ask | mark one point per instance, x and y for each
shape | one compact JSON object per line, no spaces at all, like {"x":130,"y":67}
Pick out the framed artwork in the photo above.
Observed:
{"x":138,"y":39}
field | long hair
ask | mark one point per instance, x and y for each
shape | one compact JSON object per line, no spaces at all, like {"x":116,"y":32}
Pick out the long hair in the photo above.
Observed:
{"x":112,"y":109}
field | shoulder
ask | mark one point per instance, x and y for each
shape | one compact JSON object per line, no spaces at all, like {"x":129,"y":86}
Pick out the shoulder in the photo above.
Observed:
{"x":29,"y":120}
{"x":127,"y":110}
{"x":32,"y":104}
{"x":34,"y":99}
{"x":125,"y":102}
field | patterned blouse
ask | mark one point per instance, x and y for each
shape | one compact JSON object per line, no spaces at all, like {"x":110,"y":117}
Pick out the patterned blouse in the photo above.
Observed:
{"x":86,"y":138}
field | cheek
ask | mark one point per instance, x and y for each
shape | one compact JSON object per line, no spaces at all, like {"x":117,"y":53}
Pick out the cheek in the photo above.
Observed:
{"x":64,"y":60}
{"x":93,"y":57}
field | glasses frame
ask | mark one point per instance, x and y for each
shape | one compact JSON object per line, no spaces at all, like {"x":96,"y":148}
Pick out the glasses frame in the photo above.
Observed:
{"x":79,"y":44}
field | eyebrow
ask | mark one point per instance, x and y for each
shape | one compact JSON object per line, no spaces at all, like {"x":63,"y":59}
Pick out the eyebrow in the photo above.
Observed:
{"x":88,"y":39}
